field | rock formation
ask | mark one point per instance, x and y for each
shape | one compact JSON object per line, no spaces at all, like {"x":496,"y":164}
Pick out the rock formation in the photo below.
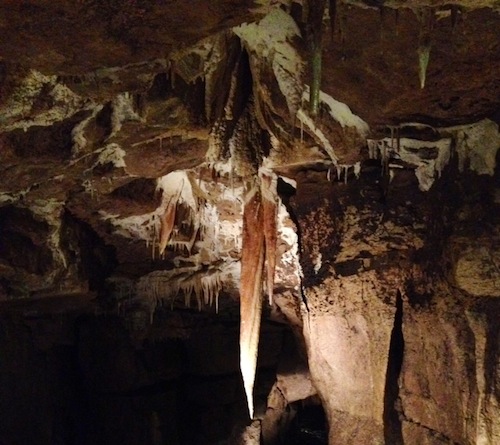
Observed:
{"x":255,"y":222}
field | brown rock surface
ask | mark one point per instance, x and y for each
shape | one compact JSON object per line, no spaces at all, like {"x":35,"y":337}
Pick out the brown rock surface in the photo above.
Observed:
{"x":384,"y":326}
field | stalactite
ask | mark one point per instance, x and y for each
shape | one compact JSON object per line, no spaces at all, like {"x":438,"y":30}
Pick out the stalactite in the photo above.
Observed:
{"x":315,"y":34}
{"x":342,"y":24}
{"x":398,"y":139}
{"x":252,"y":263}
{"x":161,"y":286}
{"x":382,"y":13}
{"x":153,"y":241}
{"x":426,"y":18}
{"x":167,"y":221}
{"x":172,"y":74}
{"x":424,"y":52}
{"x":316,"y":79}
{"x":270,"y":215}
{"x":357,"y":169}
{"x":372,"y":149}
{"x":391,"y":128}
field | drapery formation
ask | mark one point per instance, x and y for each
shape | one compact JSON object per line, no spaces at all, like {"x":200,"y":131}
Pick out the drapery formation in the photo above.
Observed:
{"x":258,"y":254}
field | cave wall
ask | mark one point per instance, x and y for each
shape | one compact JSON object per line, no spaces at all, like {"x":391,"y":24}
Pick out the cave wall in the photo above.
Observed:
{"x":129,"y":151}
{"x":402,"y":344}
{"x":81,"y":378}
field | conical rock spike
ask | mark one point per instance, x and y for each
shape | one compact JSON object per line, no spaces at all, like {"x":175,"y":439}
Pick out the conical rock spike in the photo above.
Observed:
{"x":252,"y":264}
{"x":423,"y":61}
{"x":270,"y":217}
{"x":427,"y":19}
{"x":167,"y":221}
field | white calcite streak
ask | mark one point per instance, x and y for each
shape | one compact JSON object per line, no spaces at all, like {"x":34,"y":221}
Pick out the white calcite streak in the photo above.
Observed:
{"x":123,"y":111}
{"x":78,"y":132}
{"x":18,"y":110}
{"x":429,"y":157}
{"x":339,"y":112}
{"x":476,"y":146}
{"x":318,"y":134}
{"x":271,"y":39}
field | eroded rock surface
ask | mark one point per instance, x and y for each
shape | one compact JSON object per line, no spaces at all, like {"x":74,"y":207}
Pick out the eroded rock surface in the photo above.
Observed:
{"x":134,"y":138}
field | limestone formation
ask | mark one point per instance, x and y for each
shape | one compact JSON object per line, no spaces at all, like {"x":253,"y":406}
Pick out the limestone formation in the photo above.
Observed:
{"x":260,"y":222}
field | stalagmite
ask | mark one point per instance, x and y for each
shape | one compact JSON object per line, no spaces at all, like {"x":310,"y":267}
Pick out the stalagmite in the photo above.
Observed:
{"x":252,"y":262}
{"x":270,"y":214}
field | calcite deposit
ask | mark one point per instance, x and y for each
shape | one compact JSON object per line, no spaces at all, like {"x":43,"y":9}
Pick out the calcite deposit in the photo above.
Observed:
{"x":250,"y":222}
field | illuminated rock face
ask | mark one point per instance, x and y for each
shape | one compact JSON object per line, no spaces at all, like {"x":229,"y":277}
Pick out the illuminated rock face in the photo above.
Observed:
{"x":163,"y":176}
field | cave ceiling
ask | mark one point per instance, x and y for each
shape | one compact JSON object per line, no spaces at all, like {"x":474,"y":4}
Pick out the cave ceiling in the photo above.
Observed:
{"x":110,"y":112}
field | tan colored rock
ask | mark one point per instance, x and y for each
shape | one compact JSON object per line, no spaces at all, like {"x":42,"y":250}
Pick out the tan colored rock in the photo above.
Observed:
{"x":450,"y":368}
{"x":348,"y":333}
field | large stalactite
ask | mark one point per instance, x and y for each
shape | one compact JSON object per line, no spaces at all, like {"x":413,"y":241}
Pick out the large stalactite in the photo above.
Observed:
{"x":258,"y":264}
{"x":252,"y":270}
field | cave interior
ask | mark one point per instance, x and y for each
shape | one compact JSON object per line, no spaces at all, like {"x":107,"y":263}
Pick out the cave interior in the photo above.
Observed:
{"x":259,"y":222}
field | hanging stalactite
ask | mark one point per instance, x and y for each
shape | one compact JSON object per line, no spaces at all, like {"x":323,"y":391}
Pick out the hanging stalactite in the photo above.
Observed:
{"x":426,"y":18}
{"x":314,"y":36}
{"x":252,"y":265}
{"x":270,"y":220}
{"x":424,"y":52}
{"x":167,"y":221}
{"x":260,"y":234}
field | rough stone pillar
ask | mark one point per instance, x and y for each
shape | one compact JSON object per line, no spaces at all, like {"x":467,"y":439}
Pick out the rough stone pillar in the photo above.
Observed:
{"x":348,"y":334}
{"x":348,"y":322}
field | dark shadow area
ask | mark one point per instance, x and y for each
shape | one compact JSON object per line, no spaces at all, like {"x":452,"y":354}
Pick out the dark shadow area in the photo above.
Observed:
{"x":309,"y":426}
{"x":87,"y":379}
{"x":52,"y":142}
{"x":83,"y":246}
{"x":392,"y":424}
{"x":23,"y":240}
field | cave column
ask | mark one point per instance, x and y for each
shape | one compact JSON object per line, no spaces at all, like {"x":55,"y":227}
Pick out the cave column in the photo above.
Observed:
{"x":348,"y":323}
{"x":348,"y":333}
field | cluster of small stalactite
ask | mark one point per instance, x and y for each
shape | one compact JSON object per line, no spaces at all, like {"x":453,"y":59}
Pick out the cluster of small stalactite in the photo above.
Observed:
{"x":202,"y":284}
